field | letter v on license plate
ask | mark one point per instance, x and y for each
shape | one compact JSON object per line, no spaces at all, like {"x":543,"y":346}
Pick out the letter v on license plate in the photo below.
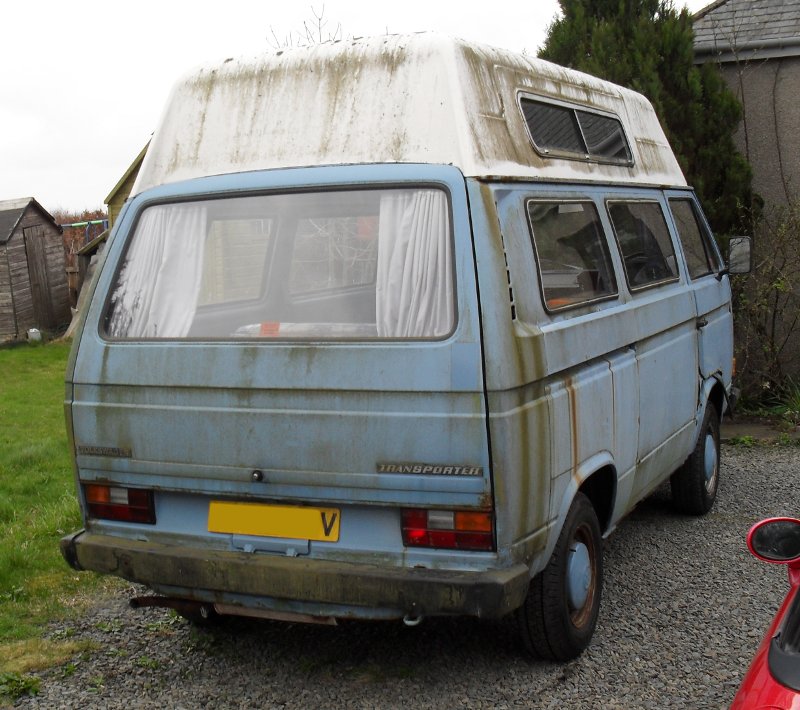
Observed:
{"x":290,"y":521}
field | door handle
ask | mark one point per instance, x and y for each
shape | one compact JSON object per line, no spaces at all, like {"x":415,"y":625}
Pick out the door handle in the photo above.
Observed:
{"x":702,"y":323}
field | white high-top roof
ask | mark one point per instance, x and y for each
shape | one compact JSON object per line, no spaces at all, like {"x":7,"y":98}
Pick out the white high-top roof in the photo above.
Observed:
{"x":421,"y":98}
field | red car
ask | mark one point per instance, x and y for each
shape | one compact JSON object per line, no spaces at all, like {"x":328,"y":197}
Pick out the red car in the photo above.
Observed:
{"x":773,"y":679}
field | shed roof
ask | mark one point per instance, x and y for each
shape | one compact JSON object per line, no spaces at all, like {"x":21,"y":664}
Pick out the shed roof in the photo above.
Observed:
{"x":134,"y":166}
{"x":731,"y":29}
{"x":11,"y":212}
{"x":423,"y":98}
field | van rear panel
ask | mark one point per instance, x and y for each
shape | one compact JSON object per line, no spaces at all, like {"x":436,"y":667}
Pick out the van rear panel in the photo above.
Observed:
{"x":281,"y":415}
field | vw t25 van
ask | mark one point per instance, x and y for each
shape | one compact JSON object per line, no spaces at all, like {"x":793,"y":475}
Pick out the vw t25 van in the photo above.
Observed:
{"x":394,"y":328}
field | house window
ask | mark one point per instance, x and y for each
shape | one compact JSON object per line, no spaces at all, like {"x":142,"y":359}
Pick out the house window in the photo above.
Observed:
{"x":562,"y":131}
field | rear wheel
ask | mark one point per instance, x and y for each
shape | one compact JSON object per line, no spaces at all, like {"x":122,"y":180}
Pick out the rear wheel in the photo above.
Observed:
{"x":694,"y":485}
{"x":559,"y":615}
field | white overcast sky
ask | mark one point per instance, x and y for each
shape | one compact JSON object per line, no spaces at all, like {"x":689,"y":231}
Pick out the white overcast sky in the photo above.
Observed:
{"x":83,"y":83}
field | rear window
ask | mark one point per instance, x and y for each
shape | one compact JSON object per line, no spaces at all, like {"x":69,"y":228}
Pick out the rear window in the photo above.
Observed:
{"x":571,"y":251}
{"x":559,"y":130}
{"x":327,"y":265}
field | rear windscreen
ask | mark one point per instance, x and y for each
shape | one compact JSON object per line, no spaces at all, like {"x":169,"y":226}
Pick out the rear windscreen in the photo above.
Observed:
{"x":328,"y":265}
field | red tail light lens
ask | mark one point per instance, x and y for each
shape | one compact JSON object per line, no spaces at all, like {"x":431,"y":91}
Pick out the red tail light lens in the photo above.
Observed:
{"x":130,"y":505}
{"x":448,"y":529}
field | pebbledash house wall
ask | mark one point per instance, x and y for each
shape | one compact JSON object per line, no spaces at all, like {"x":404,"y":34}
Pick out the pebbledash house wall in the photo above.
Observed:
{"x":756,"y":47}
{"x":769,"y":135}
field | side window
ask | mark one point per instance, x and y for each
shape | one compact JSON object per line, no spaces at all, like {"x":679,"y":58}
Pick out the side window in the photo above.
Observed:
{"x":564,"y":131}
{"x":571,"y":251}
{"x":699,"y":253}
{"x":643,"y":238}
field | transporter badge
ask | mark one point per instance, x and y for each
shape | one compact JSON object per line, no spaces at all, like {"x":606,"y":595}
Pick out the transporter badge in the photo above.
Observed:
{"x":428,"y":469}
{"x":109,"y":451}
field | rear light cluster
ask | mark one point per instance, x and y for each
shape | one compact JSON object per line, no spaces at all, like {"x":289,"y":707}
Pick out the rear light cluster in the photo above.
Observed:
{"x":130,"y":505}
{"x":449,"y":529}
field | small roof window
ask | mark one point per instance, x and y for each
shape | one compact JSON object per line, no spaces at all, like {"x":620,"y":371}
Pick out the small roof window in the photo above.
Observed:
{"x":559,"y":130}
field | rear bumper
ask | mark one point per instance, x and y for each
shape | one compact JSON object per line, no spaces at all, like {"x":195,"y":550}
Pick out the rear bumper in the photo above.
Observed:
{"x":213,"y":573}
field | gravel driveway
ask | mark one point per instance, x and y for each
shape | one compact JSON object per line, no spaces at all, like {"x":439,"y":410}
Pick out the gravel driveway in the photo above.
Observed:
{"x":683,"y":610}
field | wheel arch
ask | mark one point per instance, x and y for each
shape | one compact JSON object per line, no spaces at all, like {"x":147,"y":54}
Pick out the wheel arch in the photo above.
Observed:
{"x":712,"y":391}
{"x":601,"y":489}
{"x":596,"y":478}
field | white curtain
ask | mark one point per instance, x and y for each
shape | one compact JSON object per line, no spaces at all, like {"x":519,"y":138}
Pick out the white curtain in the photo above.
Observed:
{"x":157,"y":291}
{"x":414,"y":296}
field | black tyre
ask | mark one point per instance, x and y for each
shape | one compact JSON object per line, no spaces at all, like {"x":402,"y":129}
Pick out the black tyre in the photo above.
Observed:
{"x":559,"y":615}
{"x":694,"y":485}
{"x":203,"y":616}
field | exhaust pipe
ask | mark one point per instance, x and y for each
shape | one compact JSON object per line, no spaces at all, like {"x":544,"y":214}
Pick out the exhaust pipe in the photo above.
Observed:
{"x":206,"y":611}
{"x":209,"y":612}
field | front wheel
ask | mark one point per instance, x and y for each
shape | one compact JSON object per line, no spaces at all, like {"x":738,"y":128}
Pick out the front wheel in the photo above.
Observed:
{"x":559,"y":615}
{"x":694,"y":485}
{"x":204,"y":616}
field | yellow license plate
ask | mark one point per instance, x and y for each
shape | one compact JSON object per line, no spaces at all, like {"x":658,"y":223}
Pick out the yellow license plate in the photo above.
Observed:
{"x":292,"y":521}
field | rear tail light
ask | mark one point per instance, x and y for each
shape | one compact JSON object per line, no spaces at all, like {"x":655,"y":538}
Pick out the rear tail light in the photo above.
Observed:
{"x":449,"y":529}
{"x":130,"y":505}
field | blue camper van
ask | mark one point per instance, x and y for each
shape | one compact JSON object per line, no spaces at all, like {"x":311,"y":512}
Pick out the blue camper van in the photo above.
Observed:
{"x":393,"y":328}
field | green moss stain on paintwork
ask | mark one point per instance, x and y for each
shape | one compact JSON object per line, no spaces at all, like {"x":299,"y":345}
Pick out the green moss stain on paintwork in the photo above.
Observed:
{"x":518,"y":400}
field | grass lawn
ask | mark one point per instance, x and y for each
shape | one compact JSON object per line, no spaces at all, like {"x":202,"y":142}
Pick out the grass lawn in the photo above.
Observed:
{"x":37,"y":506}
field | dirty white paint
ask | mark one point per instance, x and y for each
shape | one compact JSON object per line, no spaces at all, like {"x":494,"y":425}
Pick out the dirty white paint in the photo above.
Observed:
{"x":421,"y":98}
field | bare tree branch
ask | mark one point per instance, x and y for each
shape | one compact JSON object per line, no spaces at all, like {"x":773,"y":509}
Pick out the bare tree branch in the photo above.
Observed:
{"x":313,"y":31}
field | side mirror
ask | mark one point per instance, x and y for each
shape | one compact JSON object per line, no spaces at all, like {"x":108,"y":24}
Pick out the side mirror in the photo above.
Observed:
{"x":775,"y":540}
{"x":739,"y":255}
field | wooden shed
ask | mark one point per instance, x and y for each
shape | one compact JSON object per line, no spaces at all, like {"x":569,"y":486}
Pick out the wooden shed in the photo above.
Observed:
{"x":33,"y":281}
{"x":119,"y":193}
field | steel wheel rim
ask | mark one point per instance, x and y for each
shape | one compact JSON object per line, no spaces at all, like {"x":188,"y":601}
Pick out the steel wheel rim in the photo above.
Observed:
{"x":710,"y":463}
{"x":582,"y":538}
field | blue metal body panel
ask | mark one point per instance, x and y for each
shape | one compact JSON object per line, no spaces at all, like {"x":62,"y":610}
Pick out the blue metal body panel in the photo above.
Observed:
{"x":197,"y":418}
{"x":612,"y":384}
